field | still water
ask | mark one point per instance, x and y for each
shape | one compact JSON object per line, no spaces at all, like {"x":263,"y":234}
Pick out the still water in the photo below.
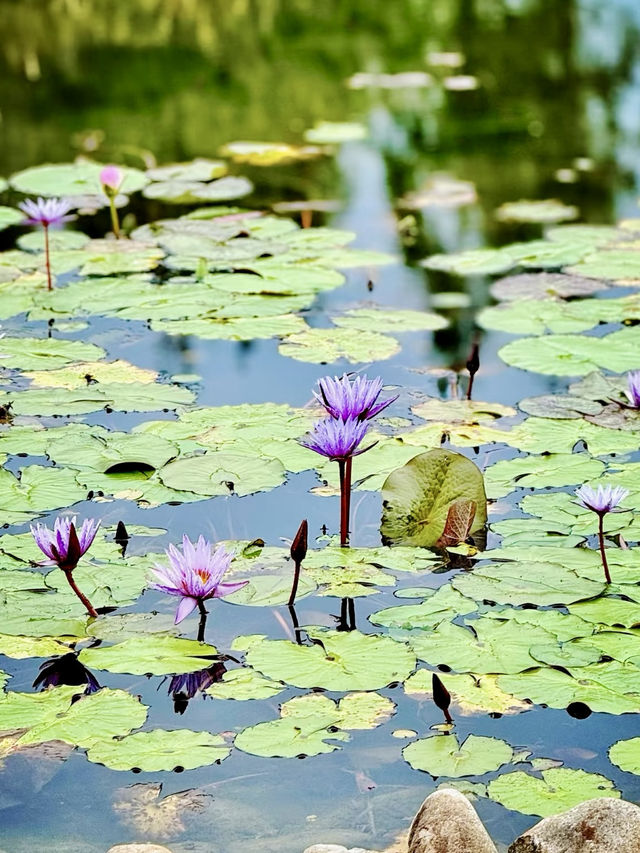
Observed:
{"x":551,"y":110}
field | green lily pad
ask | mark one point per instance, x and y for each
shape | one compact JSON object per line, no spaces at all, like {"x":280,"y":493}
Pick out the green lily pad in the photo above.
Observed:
{"x":31,"y":647}
{"x":416,"y":498}
{"x":59,"y":239}
{"x":348,"y":661}
{"x":526,"y":583}
{"x":198,"y":169}
{"x":153,"y":654}
{"x":439,"y":605}
{"x":329,"y":132}
{"x":625,"y":754}
{"x":159,"y":749}
{"x":9,"y":216}
{"x":544,"y":285}
{"x":234,"y":328}
{"x":81,"y":375}
{"x":380,"y":319}
{"x":37,"y":490}
{"x":324,"y":346}
{"x":107,"y":713}
{"x":469,"y":694}
{"x":47,"y":353}
{"x":461,"y":411}
{"x":554,"y":469}
{"x":559,"y":789}
{"x":611,"y":264}
{"x":471,"y":262}
{"x":442,"y":755}
{"x":175,"y":191}
{"x":543,"y":211}
{"x":66,"y":179}
{"x":221,"y":473}
{"x":244,"y":684}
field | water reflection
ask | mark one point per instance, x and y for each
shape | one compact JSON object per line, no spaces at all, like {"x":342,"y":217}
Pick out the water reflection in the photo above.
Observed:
{"x":183,"y":688}
{"x":66,"y":669}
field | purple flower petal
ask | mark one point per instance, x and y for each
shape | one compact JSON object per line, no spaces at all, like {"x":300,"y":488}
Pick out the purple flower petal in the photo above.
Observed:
{"x":186,"y":606}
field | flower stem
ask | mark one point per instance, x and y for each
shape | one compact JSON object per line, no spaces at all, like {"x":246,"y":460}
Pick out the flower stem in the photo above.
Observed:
{"x":345,"y":466}
{"x":603,"y":554}
{"x":203,"y":621}
{"x":83,"y":598}
{"x":47,"y":258}
{"x":294,"y":585}
{"x":115,"y":222}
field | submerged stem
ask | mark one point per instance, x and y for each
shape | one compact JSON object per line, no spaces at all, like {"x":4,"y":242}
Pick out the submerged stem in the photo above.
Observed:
{"x":603,"y":554}
{"x":115,"y":222}
{"x":83,"y":598}
{"x":47,"y":257}
{"x":203,"y":620}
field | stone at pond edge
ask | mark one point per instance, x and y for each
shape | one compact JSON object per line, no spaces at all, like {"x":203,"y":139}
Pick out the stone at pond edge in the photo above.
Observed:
{"x":597,"y":826}
{"x":447,"y":823}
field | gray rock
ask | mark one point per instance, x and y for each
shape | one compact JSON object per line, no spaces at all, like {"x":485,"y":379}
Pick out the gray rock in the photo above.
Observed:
{"x":447,"y":823}
{"x":597,"y":826}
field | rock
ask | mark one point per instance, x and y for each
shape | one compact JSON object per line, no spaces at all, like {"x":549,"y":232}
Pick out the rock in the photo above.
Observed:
{"x":604,"y":825}
{"x":138,"y":848}
{"x":447,"y":823}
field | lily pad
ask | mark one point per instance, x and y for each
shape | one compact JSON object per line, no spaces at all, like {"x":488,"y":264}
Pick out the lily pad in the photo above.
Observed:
{"x":470,"y":694}
{"x":382,"y":319}
{"x":325,"y":346}
{"x":544,"y":211}
{"x":416,"y":498}
{"x":153,"y":654}
{"x":345,"y":661}
{"x":159,"y":749}
{"x":553,"y":469}
{"x":544,"y":285}
{"x":625,"y":754}
{"x":221,"y":473}
{"x":243,"y":684}
{"x":47,"y":353}
{"x":442,"y":755}
{"x":67,"y":179}
{"x":554,"y":791}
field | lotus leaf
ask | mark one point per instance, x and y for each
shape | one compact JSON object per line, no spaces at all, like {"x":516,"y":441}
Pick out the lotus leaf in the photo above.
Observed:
{"x":442,"y":755}
{"x":470,"y":694}
{"x":324,"y":346}
{"x":159,"y":750}
{"x":153,"y":654}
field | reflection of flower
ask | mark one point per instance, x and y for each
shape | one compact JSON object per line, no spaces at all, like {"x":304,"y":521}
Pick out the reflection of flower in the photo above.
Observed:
{"x":633,"y":388}
{"x":65,"y":544}
{"x":195,"y":574}
{"x":185,"y":687}
{"x":601,"y":500}
{"x":46,"y":211}
{"x":66,"y":669}
{"x":344,"y":399}
{"x":336,"y":439}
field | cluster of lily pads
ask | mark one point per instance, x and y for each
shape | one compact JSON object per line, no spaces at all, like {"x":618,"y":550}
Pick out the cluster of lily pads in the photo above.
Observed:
{"x":533,"y":621}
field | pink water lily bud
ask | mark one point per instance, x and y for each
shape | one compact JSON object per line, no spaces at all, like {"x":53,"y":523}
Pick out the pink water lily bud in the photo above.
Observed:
{"x":111,"y":178}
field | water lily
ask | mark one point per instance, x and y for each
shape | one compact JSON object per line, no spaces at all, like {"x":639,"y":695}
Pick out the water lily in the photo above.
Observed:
{"x":195,"y":574}
{"x":633,"y":388}
{"x":111,"y":179}
{"x":338,"y":439}
{"x":346,"y":398}
{"x":602,"y":500}
{"x":46,"y":212}
{"x":64,"y":545}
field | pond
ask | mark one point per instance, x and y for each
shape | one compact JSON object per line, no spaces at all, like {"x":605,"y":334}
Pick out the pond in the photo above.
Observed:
{"x":431,"y":177}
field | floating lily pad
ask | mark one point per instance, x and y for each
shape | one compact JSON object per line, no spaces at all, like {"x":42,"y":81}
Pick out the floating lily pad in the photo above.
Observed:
{"x":198,"y":169}
{"x":544,"y":211}
{"x":625,"y":754}
{"x":559,"y":789}
{"x":268,"y":153}
{"x":221,"y":473}
{"x":347,"y":661}
{"x":9,"y":216}
{"x":86,"y":373}
{"x":610,"y":264}
{"x":442,"y":755}
{"x":470,"y":694}
{"x":381,"y":319}
{"x":160,"y":750}
{"x":47,"y":353}
{"x":28,"y":647}
{"x":439,"y":605}
{"x":67,"y":179}
{"x":153,"y":654}
{"x":461,"y":411}
{"x":328,"y":132}
{"x":565,"y":406}
{"x":544,"y":285}
{"x":324,"y":346}
{"x":553,"y":469}
{"x":177,"y":191}
{"x":243,"y":684}
{"x":416,"y":498}
{"x":471,"y":262}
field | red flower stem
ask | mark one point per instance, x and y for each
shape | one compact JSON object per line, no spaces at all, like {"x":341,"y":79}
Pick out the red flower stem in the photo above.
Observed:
{"x":47,"y":258}
{"x":345,"y":466}
{"x":83,"y":598}
{"x":203,"y":620}
{"x":605,"y":565}
{"x":470,"y":385}
{"x":294,"y":585}
{"x":115,"y":222}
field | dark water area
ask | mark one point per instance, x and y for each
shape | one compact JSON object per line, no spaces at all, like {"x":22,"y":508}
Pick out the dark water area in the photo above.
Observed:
{"x":550,"y":108}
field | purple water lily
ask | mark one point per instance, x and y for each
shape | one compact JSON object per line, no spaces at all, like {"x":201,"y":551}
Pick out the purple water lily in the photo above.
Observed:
{"x":195,"y":575}
{"x":336,"y":439}
{"x":64,"y":545}
{"x":633,"y":388}
{"x":46,"y":212}
{"x":347,"y":398}
{"x":602,"y":500}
